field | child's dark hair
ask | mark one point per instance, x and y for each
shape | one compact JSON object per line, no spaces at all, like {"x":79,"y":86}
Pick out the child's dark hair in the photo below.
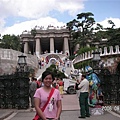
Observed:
{"x":45,"y":73}
{"x":83,"y":75}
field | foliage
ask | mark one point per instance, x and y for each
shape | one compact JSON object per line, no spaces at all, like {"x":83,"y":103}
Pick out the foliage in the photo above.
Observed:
{"x":82,"y":64}
{"x":82,"y":31}
{"x":10,"y":42}
{"x":114,"y":37}
{"x":33,"y":32}
{"x":56,"y":72}
{"x":85,"y":49}
{"x":31,"y":72}
{"x":71,"y":57}
{"x":81,"y":28}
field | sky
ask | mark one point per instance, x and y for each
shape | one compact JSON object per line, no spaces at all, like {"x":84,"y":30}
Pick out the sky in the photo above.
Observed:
{"x":17,"y":16}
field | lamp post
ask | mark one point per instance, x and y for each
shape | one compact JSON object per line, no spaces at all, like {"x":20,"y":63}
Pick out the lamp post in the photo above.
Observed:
{"x":95,"y":61}
{"x":22,"y":63}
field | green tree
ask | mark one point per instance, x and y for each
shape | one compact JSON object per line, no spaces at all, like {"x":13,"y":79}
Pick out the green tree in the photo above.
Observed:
{"x":114,"y":37}
{"x":112,"y":23}
{"x":99,"y":33}
{"x":81,"y":29}
{"x":113,"y":34}
{"x":10,"y":42}
{"x":57,"y":73}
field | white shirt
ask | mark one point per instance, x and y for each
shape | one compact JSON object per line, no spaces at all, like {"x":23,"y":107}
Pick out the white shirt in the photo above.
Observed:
{"x":84,"y":86}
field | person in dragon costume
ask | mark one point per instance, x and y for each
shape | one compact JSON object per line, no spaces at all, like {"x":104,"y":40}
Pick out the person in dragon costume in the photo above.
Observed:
{"x":95,"y":89}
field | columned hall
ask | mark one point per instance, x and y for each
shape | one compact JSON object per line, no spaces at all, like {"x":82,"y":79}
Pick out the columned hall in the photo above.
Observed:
{"x":46,"y":41}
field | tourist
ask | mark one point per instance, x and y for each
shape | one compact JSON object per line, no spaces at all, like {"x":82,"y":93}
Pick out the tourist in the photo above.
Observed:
{"x":39,"y":83}
{"x":32,"y":89}
{"x":61,"y":85}
{"x":57,"y":65}
{"x":63,"y":68}
{"x":83,"y":98}
{"x":47,"y":99}
{"x":40,"y":63}
{"x":68,"y":63}
{"x":71,"y":74}
{"x":55,"y":84}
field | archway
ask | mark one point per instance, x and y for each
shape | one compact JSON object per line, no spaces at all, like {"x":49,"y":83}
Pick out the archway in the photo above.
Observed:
{"x":53,"y":56}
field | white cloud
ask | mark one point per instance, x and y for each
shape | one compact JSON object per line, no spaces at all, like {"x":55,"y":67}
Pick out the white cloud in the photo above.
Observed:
{"x":73,"y":7}
{"x":17,"y":29}
{"x":38,"y":8}
{"x":37,"y":12}
{"x":34,"y":9}
{"x":105,"y":23}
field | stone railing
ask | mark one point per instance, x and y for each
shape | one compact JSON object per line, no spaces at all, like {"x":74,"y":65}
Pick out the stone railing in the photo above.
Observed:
{"x":9,"y":58}
{"x":103,"y":52}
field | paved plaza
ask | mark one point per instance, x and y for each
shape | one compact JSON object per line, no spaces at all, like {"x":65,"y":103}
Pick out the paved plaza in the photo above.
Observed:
{"x":70,"y":111}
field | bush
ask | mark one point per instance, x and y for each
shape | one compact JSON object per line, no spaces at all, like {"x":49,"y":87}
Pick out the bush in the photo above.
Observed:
{"x":85,"y":49}
{"x":56,"y":73}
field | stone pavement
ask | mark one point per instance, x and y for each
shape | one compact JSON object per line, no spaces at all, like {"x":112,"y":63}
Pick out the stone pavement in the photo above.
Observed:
{"x":70,"y":112}
{"x":5,"y":113}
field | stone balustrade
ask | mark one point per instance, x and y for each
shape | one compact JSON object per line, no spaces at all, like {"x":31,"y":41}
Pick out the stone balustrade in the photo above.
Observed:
{"x":103,"y":52}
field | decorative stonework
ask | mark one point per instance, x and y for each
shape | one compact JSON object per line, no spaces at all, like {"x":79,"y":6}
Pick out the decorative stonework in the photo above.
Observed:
{"x":110,"y":58}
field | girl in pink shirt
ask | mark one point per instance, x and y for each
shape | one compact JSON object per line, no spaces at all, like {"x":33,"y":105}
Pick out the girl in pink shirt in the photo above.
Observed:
{"x":54,"y":107}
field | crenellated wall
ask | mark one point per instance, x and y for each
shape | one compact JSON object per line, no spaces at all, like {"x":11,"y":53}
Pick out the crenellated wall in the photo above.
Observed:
{"x":9,"y":58}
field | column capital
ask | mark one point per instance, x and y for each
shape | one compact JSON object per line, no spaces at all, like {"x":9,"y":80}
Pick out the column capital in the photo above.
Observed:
{"x":51,"y":35}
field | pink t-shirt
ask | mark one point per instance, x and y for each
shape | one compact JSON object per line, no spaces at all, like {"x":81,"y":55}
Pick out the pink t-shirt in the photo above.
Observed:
{"x":43,"y":96}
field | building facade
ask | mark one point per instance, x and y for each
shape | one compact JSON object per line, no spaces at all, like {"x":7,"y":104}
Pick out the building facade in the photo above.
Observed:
{"x":46,"y":41}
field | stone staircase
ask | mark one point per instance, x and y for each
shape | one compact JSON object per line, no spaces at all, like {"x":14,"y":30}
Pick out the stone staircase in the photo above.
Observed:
{"x":40,"y":71}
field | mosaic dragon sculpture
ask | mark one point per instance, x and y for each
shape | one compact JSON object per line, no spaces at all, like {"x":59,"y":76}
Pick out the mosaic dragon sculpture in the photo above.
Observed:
{"x":95,"y":89}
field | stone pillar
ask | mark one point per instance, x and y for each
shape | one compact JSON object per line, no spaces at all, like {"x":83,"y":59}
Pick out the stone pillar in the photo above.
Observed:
{"x":26,"y":50}
{"x":52,"y":45}
{"x":66,"y":46}
{"x":38,"y":47}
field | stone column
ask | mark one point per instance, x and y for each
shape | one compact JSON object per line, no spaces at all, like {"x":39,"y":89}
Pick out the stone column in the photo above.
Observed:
{"x":52,"y":45}
{"x":38,"y":47}
{"x":66,"y":46}
{"x":26,"y":50}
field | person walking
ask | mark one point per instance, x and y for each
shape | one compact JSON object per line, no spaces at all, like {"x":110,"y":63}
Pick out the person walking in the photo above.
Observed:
{"x":83,"y":98}
{"x":61,"y":86}
{"x":40,"y":63}
{"x":47,"y":100}
{"x":32,"y":89}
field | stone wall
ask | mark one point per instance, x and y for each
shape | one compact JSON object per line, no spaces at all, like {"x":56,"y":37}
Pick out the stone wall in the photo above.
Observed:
{"x":111,"y":63}
{"x":9,"y":58}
